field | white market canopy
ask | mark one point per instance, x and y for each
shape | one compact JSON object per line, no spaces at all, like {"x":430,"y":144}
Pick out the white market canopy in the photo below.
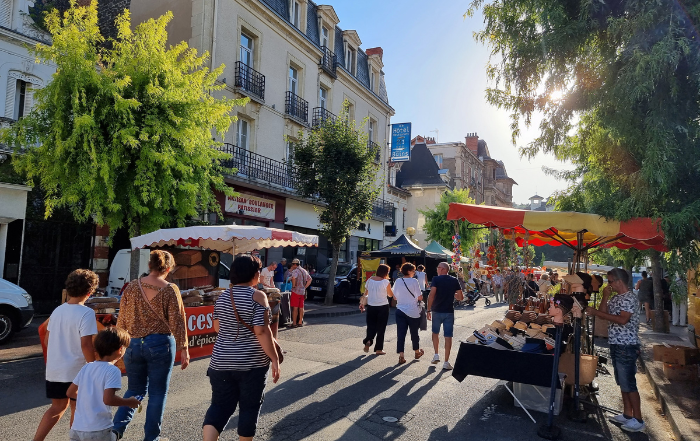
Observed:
{"x":232,"y":239}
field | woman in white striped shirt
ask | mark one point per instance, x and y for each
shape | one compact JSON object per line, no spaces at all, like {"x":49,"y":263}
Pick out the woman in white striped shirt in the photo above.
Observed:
{"x":241,"y":358}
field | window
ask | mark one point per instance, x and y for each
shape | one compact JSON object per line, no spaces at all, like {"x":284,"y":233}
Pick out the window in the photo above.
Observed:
{"x":289,"y":154}
{"x":293,"y":80}
{"x":350,"y":60}
{"x":322,"y":98}
{"x":325,"y":37}
{"x":242,"y":133}
{"x":351,"y":112}
{"x":370,"y":130}
{"x":246,"y":50}
{"x":438,"y":160}
{"x":23,"y":99}
{"x":372,"y":80}
{"x":296,"y":14}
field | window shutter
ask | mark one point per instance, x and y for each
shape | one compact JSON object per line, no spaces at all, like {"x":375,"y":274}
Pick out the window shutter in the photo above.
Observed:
{"x":6,"y":13}
{"x":10,"y":98}
{"x":28,"y":99}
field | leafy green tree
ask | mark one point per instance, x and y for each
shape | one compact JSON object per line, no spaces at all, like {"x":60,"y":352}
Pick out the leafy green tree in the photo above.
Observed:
{"x":123,"y":135}
{"x":617,"y":86}
{"x":439,"y":229}
{"x":335,"y":165}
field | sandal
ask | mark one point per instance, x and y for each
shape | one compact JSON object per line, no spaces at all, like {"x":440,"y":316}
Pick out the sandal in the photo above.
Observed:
{"x":419,"y":353}
{"x":402,"y":360}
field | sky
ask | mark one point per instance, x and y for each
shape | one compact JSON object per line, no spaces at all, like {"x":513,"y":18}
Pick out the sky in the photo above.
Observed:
{"x":436,"y":79}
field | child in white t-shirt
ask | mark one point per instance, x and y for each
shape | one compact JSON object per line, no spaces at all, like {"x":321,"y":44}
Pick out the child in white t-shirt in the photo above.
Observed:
{"x":68,"y":346}
{"x":95,"y":389}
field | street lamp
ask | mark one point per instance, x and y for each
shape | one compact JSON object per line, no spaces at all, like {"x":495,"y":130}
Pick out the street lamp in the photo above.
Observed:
{"x":411,"y":231}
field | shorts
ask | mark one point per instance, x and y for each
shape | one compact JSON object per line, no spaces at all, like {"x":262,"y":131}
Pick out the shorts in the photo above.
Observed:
{"x":56,"y":390}
{"x":297,"y":301}
{"x":624,"y":362}
{"x":446,"y":319}
{"x":98,"y":435}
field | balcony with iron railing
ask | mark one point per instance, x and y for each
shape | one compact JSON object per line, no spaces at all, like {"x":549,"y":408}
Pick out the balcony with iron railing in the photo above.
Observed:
{"x":258,"y":167}
{"x":249,"y":80}
{"x":329,"y":61}
{"x":296,"y":107}
{"x":374,"y":147}
{"x":321,"y":115}
{"x":382,"y":210}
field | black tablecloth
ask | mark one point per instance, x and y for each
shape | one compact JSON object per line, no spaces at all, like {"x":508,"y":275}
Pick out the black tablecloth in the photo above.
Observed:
{"x":519,"y":367}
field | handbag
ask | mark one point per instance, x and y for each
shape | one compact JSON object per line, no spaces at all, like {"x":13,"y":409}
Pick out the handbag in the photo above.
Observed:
{"x":278,"y":348}
{"x":423,"y":319}
{"x":587,"y":366}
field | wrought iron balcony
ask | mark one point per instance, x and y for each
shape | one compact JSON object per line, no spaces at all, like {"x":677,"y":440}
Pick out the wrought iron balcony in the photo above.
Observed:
{"x":373,"y":146}
{"x":321,"y":115}
{"x":296,"y":107}
{"x":382,"y":210}
{"x":254,"y":166}
{"x":250,"y":80}
{"x":328,"y":61}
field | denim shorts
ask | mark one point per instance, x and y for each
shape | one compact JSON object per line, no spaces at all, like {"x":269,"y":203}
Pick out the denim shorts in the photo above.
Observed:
{"x":446,"y":319}
{"x":624,"y":361}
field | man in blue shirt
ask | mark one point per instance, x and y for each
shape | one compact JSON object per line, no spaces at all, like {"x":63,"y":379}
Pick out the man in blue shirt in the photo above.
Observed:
{"x":444,"y":289}
{"x":279,"y":273}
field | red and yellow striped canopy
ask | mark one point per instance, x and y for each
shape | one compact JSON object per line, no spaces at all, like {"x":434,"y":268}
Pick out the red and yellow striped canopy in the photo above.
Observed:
{"x":561,"y":227}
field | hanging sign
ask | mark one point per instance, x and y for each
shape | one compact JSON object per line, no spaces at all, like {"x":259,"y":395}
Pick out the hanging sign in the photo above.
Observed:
{"x":248,"y":205}
{"x":401,"y":142}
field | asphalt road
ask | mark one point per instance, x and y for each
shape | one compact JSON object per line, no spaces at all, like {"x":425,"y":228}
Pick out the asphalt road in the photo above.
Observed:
{"x":331,"y":390}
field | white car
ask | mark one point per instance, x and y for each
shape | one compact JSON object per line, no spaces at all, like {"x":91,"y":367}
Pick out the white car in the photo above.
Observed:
{"x":16,"y":310}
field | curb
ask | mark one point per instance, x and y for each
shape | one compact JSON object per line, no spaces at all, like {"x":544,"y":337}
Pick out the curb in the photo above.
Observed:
{"x":331,"y":314}
{"x":670,"y":409}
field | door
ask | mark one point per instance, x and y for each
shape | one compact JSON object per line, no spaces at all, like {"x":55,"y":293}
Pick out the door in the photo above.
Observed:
{"x":322,"y":97}
{"x":246,"y":50}
{"x":242,"y":142}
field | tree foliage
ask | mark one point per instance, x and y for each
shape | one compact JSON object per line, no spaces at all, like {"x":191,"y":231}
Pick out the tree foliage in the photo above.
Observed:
{"x":335,"y":165}
{"x":123,"y":135}
{"x":439,"y":229}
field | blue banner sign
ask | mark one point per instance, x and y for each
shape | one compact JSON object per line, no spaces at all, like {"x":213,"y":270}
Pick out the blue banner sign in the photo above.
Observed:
{"x":401,"y":142}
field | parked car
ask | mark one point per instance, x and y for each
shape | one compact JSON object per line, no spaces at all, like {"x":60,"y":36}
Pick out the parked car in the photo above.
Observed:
{"x":16,"y":310}
{"x":347,"y":284}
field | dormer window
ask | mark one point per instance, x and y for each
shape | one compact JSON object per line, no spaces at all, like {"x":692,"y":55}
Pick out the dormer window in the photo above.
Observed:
{"x":373,"y":81}
{"x":295,"y":14}
{"x":325,"y":37}
{"x":350,"y":60}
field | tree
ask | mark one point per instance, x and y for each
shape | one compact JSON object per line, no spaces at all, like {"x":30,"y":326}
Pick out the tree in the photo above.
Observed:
{"x":439,"y":229}
{"x":617,"y":85}
{"x":123,"y":135}
{"x":336,"y":166}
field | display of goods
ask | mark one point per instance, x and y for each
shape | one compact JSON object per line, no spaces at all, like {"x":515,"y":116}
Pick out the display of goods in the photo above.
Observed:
{"x":191,"y":272}
{"x":457,"y":250}
{"x":535,"y":326}
{"x":188,"y":257}
{"x":521,"y":325}
{"x":205,"y":288}
{"x":529,"y":316}
{"x":106,"y":310}
{"x":501,"y":251}
{"x":508,"y":322}
{"x":491,"y":259}
{"x":513,"y":315}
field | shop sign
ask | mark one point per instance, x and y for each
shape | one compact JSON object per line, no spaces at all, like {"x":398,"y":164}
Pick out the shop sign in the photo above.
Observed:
{"x":401,"y":142}
{"x":250,"y":206}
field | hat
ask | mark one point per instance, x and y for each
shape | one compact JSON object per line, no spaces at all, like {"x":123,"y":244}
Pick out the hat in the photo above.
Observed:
{"x":296,"y":261}
{"x":573,"y":279}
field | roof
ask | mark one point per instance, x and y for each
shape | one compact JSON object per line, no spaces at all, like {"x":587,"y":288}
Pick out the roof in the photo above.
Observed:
{"x":420,"y":170}
{"x":483,"y":149}
{"x":535,"y":197}
{"x":403,"y":246}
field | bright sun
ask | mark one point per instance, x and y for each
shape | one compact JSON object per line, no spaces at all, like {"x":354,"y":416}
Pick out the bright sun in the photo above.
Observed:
{"x":557,"y":95}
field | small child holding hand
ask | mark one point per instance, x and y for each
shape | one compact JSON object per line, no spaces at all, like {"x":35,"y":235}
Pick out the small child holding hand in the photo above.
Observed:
{"x":95,"y":389}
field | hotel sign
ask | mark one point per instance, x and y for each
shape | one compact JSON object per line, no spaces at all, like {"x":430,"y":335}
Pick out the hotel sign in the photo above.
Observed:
{"x":401,"y":142}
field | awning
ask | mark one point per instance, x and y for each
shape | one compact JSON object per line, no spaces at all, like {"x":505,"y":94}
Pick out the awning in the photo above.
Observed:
{"x":563,"y":227}
{"x":436,"y":248}
{"x":233,"y":239}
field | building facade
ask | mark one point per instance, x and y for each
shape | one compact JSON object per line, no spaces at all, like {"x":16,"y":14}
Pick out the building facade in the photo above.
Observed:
{"x":298,"y":67}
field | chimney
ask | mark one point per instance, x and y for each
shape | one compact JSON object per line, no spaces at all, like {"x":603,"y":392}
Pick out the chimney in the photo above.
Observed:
{"x":472,"y":142}
{"x":375,"y":51}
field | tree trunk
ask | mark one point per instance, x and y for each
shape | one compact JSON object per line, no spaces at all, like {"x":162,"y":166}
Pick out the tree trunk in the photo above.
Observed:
{"x":331,"y":275}
{"x":658,"y":292}
{"x":629,"y":277}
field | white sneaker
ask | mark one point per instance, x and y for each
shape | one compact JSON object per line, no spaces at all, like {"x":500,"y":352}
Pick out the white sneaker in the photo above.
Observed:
{"x":436,"y":359}
{"x":619,"y":419}
{"x":633,"y":425}
{"x":447,"y":366}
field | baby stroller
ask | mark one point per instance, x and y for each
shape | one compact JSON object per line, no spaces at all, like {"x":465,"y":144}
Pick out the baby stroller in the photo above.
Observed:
{"x":472,"y":294}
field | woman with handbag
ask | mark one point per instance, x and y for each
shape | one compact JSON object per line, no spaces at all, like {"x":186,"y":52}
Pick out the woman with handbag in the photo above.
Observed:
{"x":376,"y":302}
{"x":151,"y":310}
{"x":408,"y":311}
{"x":243,"y":353}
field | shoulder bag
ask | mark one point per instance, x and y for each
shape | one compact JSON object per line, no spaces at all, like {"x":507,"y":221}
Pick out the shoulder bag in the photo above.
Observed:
{"x":278,"y":348}
{"x":153,"y":310}
{"x":423,"y":326}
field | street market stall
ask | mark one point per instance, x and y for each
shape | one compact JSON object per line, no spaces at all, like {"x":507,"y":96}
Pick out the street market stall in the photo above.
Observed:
{"x":581,"y":232}
{"x":199,"y":302}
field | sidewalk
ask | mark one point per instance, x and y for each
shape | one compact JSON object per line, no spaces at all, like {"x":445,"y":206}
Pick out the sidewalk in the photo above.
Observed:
{"x":313,"y":309}
{"x":680,"y":400}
